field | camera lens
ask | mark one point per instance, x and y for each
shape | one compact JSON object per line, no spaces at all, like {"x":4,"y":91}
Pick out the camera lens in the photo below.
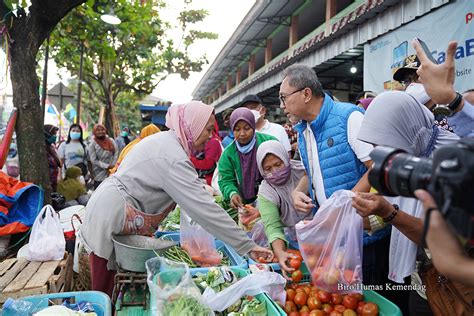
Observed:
{"x":397,"y":173}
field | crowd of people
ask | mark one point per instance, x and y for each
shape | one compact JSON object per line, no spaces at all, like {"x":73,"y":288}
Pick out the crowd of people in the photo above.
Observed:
{"x":275,"y":175}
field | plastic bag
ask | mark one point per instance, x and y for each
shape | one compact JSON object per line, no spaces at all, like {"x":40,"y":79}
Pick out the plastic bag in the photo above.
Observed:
{"x":257,"y":234}
{"x":47,"y":239}
{"x":169,"y":282}
{"x":331,"y":245}
{"x":269,"y":282}
{"x":198,"y":243}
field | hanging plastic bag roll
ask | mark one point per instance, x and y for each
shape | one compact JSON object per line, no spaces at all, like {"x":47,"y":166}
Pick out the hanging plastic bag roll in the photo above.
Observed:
{"x":47,"y":238}
{"x":331,"y":245}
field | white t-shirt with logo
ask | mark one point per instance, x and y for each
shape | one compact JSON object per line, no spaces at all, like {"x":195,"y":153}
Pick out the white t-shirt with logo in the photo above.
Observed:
{"x":360,"y":148}
{"x":277,"y":131}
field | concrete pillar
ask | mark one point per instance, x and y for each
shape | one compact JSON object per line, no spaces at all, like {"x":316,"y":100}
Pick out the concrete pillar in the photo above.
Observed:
{"x":330,"y":12}
{"x":229,"y":82}
{"x":268,"y":51}
{"x":251,"y":64}
{"x":238,"y":76}
{"x":293,"y":30}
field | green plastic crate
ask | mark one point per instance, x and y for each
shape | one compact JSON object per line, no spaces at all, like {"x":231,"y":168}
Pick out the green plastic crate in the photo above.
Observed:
{"x":386,"y":307}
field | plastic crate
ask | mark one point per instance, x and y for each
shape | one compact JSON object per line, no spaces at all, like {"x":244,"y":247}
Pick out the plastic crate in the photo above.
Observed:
{"x":386,"y":307}
{"x":173,"y":277}
{"x":100,"y":301}
{"x":236,"y":260}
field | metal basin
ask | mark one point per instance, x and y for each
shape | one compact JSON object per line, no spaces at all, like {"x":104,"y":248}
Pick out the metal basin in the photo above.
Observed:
{"x":131,"y":251}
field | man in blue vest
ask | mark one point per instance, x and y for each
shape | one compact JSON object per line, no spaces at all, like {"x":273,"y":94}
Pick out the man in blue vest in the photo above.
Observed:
{"x":333,"y":157}
{"x":327,"y":139}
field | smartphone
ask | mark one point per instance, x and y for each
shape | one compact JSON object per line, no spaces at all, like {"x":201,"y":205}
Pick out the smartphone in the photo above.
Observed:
{"x":427,"y":50}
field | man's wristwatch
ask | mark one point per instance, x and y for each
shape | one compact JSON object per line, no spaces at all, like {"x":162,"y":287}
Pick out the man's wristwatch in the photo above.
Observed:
{"x":448,"y":109}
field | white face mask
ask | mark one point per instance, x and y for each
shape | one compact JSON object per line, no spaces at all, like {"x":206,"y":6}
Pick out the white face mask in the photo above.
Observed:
{"x":417,"y":91}
{"x":256,"y":114}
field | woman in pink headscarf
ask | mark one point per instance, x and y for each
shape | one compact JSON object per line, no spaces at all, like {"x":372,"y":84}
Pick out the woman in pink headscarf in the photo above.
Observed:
{"x":155,"y":175}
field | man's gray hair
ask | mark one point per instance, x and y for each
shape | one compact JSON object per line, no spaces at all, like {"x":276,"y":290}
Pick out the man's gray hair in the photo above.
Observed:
{"x":301,"y":76}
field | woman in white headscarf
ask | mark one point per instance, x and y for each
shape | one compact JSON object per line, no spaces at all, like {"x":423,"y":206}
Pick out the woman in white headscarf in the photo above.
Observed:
{"x":281,"y":176}
{"x":398,"y":120}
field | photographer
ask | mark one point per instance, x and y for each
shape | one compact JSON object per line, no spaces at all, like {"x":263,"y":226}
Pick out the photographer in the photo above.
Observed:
{"x":397,"y":120}
{"x":447,"y":253}
{"x":438,"y":81}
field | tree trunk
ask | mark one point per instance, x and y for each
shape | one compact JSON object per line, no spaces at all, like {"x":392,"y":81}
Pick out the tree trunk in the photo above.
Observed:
{"x":29,"y":127}
{"x":27,"y":33}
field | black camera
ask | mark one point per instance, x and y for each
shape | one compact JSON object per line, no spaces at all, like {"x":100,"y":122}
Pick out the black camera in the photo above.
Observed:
{"x":449,"y":176}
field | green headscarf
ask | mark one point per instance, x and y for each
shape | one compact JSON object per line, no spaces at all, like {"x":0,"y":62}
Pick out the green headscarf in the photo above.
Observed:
{"x":70,"y":187}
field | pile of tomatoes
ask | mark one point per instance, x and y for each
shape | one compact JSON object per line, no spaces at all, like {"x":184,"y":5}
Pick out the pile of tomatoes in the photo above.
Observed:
{"x":306,"y":300}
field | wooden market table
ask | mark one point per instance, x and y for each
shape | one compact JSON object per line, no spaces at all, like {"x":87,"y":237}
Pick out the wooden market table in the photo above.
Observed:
{"x":20,"y":277}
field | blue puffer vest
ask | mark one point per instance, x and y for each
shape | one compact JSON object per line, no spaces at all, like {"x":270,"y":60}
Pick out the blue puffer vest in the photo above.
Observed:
{"x":340,"y":167}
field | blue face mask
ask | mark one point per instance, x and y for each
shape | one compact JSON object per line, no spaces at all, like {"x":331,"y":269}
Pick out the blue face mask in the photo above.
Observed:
{"x":124,"y":134}
{"x":75,"y":135}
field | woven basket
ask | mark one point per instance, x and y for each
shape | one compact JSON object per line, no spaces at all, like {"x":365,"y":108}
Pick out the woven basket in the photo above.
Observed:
{"x":82,"y":280}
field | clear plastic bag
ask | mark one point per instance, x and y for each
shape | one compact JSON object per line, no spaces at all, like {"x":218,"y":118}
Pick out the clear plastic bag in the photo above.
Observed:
{"x":47,"y":240}
{"x":257,"y":234}
{"x":331,"y":245}
{"x":170,"y":281}
{"x":264,"y":282}
{"x":198,"y":243}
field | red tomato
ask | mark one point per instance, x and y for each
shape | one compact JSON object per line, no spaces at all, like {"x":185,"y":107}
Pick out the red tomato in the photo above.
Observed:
{"x":349,"y":276}
{"x":339,"y":308}
{"x":295,"y":263}
{"x":370,"y":309}
{"x":349,"y":302}
{"x":290,"y":294}
{"x":290,"y":307}
{"x":300,"y":299}
{"x":261,"y":260}
{"x":335,"y":313}
{"x":296,"y":276}
{"x":304,"y":313}
{"x":324,"y":296}
{"x":296,"y":253}
{"x":358,"y":296}
{"x":304,"y":309}
{"x":360,"y":306}
{"x":317,"y":312}
{"x":349,"y":312}
{"x":293,"y":286}
{"x":327,"y":308}
{"x":336,"y":299}
{"x":294,"y":314}
{"x":307,"y":290}
{"x":314,"y":303}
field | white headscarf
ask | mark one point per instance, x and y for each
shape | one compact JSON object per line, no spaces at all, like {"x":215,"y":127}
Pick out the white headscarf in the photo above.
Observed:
{"x":398,"y":120}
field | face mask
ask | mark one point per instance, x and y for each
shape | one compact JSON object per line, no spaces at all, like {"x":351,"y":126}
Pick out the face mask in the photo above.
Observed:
{"x":124,"y":134}
{"x":52,"y":139}
{"x":417,"y":91}
{"x":256,"y":114}
{"x":75,"y":135}
{"x":279,"y":177}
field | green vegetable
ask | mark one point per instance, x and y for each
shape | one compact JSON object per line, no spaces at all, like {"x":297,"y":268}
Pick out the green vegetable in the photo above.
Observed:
{"x":185,"y":305}
{"x":171,"y":222}
{"x":177,"y":253}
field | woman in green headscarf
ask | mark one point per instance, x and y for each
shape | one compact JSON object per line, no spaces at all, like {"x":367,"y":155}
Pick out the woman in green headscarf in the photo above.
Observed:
{"x":72,"y":189}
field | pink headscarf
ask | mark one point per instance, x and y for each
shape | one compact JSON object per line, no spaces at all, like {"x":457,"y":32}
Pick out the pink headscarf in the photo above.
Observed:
{"x":188,"y":121}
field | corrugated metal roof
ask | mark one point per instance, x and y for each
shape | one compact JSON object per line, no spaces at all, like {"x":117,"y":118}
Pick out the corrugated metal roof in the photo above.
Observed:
{"x":262,"y":19}
{"x":388,"y":15}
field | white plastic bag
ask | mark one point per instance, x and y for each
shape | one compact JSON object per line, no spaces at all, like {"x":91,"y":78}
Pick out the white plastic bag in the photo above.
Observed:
{"x":269,"y":282}
{"x":331,"y":245}
{"x":169,"y":281}
{"x":47,"y":239}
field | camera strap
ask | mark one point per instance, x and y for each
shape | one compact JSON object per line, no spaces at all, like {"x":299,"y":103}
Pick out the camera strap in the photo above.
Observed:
{"x":426,"y":225}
